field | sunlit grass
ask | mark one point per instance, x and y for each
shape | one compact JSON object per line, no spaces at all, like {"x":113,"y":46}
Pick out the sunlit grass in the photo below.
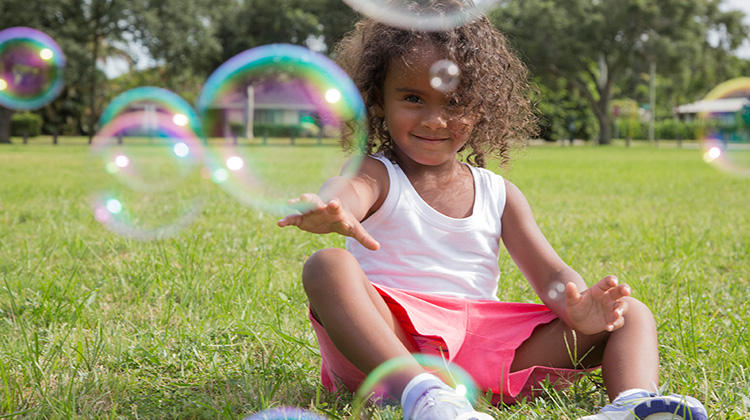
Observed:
{"x":212,"y":323}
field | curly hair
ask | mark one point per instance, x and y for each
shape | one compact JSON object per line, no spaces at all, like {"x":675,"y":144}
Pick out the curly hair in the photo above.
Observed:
{"x":494,"y":83}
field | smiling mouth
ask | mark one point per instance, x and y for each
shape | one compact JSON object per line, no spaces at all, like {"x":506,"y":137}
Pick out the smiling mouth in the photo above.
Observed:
{"x":430,"y":139}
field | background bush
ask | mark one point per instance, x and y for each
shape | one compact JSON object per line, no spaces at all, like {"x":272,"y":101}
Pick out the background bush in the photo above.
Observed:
{"x":25,"y":122}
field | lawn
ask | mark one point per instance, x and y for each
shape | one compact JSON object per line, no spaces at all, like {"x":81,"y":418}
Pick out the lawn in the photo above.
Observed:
{"x":211,"y":323}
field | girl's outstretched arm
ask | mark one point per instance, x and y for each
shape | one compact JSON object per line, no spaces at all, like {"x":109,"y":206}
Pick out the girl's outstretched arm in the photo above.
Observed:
{"x":342,"y":203}
{"x":588,"y":310}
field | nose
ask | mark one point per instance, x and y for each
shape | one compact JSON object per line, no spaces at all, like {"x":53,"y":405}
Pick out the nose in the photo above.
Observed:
{"x":435,"y":118}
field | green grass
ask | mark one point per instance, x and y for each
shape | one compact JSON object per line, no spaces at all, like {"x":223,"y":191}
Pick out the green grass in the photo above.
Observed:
{"x":212,"y":322}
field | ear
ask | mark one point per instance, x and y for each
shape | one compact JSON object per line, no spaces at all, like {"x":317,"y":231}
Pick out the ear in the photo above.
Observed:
{"x":378,"y":109}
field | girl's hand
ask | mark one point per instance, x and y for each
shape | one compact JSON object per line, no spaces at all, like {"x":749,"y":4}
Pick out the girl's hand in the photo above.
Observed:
{"x":319,"y":217}
{"x":599,"y":308}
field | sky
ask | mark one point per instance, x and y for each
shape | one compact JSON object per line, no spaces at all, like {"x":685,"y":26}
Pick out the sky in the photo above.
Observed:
{"x":743,"y":5}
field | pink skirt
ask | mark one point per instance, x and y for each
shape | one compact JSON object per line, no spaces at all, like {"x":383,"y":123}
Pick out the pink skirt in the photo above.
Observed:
{"x":481,"y":336}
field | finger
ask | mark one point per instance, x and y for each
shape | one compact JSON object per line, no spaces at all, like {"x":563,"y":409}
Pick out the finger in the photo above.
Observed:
{"x":619,"y":292}
{"x":572,"y":295}
{"x":290,"y":220}
{"x":622,"y":307}
{"x":607,"y":283}
{"x":334,"y":207}
{"x":616,"y":324}
{"x":619,"y":316}
{"x":367,"y":241}
{"x":306,"y":203}
{"x":359,"y":233}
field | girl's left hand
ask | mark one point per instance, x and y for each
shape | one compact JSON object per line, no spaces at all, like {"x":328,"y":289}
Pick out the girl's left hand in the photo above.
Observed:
{"x":599,"y":308}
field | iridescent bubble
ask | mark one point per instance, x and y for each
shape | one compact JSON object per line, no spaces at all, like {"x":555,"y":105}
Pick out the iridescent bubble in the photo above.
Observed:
{"x":31,"y":69}
{"x":725,"y":127}
{"x":374,"y":395}
{"x":153,"y":100}
{"x":286,"y":413}
{"x":153,"y":185}
{"x":145,"y":216}
{"x":444,"y":75}
{"x":556,"y":290}
{"x":274,"y":117}
{"x":148,"y":152}
{"x":428,"y":15}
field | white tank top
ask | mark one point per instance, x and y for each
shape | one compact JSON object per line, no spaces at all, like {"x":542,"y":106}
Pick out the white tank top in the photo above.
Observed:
{"x":424,"y":250}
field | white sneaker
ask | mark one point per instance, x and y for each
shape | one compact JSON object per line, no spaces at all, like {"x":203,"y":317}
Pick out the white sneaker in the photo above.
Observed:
{"x":440,"y":403}
{"x":650,"y":406}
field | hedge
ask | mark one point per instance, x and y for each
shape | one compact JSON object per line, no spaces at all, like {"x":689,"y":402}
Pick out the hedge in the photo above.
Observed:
{"x":25,"y":123}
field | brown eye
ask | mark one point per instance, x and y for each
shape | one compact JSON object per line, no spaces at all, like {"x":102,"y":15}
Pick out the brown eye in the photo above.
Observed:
{"x":413,"y":98}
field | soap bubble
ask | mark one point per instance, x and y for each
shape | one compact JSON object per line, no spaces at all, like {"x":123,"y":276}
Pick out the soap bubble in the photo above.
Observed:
{"x":148,"y":152}
{"x":286,"y":413}
{"x":374,"y":391}
{"x":153,"y":100}
{"x":428,"y":15}
{"x":152,"y":162}
{"x":556,"y":290}
{"x":274,"y":116}
{"x":31,"y":69}
{"x":145,"y":216}
{"x":444,"y":75}
{"x":725,"y":129}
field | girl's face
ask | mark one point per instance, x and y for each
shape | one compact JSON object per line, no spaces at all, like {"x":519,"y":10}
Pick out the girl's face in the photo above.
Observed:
{"x":426,"y":126}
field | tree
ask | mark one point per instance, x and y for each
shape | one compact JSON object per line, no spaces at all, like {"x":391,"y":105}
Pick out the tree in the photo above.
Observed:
{"x":19,"y":13}
{"x":335,"y":17}
{"x":85,"y":31}
{"x":596,"y":44}
{"x":95,"y":24}
{"x":251,"y":23}
{"x":182,"y":37}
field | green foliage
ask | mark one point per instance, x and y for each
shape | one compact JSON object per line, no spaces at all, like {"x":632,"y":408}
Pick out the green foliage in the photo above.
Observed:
{"x":281,"y":130}
{"x":596,"y":46}
{"x":561,"y":109}
{"x":253,"y":23}
{"x":673,"y":129}
{"x":25,"y":124}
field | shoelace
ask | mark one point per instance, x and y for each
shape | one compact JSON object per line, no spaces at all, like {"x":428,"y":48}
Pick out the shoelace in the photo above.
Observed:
{"x":437,"y":395}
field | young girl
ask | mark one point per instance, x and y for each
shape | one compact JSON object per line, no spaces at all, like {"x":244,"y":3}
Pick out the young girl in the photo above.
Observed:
{"x":420,"y":269}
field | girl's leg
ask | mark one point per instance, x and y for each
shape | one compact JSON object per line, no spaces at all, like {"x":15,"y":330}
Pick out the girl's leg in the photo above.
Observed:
{"x":355,"y":316}
{"x":629,"y":356}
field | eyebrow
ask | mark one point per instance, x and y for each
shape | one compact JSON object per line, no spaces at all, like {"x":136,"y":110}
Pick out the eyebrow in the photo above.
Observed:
{"x":410,"y":90}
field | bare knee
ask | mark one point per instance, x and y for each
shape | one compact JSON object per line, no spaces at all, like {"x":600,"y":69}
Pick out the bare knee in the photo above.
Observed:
{"x":638,"y":311}
{"x":324,"y":268}
{"x":639,"y":316}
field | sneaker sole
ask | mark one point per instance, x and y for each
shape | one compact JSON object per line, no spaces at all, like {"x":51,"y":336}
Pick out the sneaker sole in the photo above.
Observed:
{"x":474,"y":416}
{"x":666,"y":409}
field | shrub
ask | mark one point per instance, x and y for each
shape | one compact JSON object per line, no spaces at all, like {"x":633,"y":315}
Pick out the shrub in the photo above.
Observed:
{"x":25,"y":123}
{"x":277,"y":130}
{"x":667,"y":129}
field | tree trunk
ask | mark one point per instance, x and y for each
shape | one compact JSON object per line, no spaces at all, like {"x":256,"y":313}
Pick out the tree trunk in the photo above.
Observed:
{"x":5,"y":115}
{"x":92,"y":85}
{"x":605,"y":125}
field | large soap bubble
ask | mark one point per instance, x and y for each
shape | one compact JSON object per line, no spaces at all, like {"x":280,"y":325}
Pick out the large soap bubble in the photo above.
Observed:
{"x":429,"y":15}
{"x":373,"y":395}
{"x":286,"y":413}
{"x":31,"y":69}
{"x":725,"y":127}
{"x":152,"y":157}
{"x":274,"y":117}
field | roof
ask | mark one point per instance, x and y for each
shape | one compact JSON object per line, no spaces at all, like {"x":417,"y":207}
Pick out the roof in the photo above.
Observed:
{"x":273,"y":94}
{"x":714,"y":106}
